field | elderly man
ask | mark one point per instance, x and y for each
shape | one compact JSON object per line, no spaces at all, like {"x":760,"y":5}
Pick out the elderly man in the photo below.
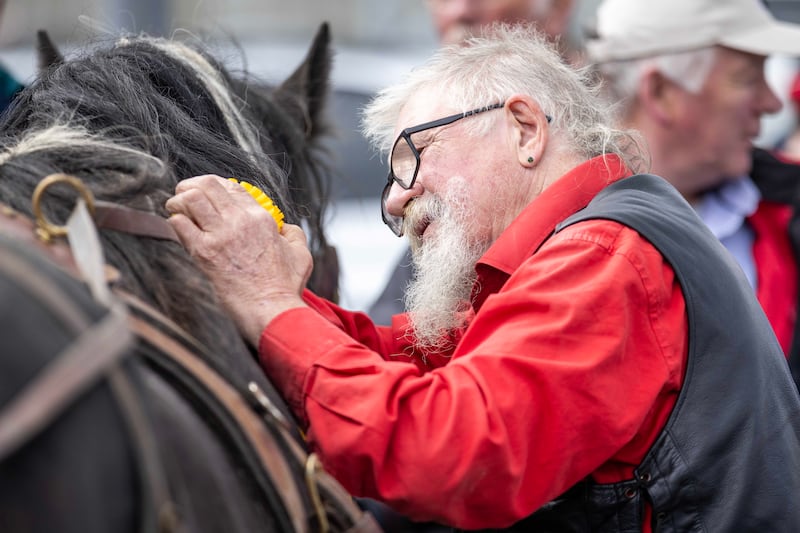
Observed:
{"x":689,"y":74}
{"x":568,"y":363}
{"x":455,"y":20}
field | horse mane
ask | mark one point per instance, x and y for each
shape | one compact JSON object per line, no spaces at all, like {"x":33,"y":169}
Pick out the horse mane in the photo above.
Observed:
{"x":133,"y":118}
{"x":113,"y":394}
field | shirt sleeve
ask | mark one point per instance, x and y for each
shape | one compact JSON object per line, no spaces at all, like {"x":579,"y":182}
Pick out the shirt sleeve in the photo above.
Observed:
{"x":562,"y":372}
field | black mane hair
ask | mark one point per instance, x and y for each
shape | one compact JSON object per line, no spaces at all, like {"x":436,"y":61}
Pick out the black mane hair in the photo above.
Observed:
{"x":111,"y":419}
{"x":132,"y":119}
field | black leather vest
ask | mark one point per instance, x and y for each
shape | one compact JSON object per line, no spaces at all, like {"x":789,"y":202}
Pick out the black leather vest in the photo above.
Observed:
{"x":728,"y":459}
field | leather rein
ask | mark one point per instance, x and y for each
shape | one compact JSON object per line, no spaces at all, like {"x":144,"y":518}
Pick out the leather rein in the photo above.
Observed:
{"x":117,"y":217}
{"x":106,"y":215}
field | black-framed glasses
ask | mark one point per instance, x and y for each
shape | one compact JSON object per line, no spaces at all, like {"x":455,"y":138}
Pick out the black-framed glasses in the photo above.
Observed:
{"x":404,"y":161}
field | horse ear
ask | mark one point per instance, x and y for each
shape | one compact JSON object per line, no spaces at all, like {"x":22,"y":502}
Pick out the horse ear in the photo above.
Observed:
{"x":47,"y":53}
{"x":304,"y":93}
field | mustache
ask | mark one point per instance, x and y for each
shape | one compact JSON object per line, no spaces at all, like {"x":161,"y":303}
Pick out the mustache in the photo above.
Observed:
{"x":420,"y":211}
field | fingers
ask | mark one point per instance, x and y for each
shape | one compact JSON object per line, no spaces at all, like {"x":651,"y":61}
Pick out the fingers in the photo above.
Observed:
{"x":194,"y":199}
{"x":201,"y":182}
{"x":294,"y":234}
{"x":218,"y":190}
{"x":185,"y":229}
{"x":196,"y":206}
{"x":208,"y":201}
{"x":302,"y":260}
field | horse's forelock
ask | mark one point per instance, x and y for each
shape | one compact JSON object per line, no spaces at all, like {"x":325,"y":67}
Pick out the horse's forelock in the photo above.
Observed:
{"x":215,"y":85}
{"x":212,"y":91}
{"x":134,"y":118}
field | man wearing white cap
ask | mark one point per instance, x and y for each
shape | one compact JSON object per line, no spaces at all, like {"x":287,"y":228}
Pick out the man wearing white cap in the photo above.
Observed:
{"x":689,"y":74}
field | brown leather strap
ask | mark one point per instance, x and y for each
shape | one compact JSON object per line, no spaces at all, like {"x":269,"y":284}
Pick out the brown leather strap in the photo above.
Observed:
{"x":112,"y":341}
{"x":262,"y":441}
{"x":137,"y":305}
{"x":118,"y":217}
{"x":259,"y":399}
{"x":269,"y":451}
{"x":72,"y":371}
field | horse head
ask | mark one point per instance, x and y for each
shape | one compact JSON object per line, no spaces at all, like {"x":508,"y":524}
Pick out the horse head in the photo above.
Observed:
{"x":129,"y":120}
{"x":132,"y":119}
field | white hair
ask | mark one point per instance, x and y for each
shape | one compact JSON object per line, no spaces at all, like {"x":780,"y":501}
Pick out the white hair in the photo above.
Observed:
{"x":61,"y":136}
{"x":510,"y":59}
{"x":689,"y":70}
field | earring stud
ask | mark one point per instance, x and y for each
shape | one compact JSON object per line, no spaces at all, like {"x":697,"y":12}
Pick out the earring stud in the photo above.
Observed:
{"x":530,"y":159}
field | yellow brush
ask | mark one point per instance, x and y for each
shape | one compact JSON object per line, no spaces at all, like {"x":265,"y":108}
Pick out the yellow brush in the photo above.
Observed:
{"x":265,"y":201}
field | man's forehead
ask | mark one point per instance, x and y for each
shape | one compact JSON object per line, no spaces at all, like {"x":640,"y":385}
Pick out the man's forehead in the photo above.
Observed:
{"x":740,"y":57}
{"x":424,"y":106}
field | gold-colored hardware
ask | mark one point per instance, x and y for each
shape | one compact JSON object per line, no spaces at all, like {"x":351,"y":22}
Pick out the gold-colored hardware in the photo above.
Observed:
{"x":46,"y":230}
{"x":313,"y":465}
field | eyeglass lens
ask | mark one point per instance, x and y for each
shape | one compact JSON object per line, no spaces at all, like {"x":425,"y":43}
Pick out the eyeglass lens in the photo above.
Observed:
{"x":395,"y":223}
{"x":404,"y":162}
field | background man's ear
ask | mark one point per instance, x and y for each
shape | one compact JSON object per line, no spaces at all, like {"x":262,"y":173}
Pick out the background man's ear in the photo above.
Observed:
{"x":658,"y":96}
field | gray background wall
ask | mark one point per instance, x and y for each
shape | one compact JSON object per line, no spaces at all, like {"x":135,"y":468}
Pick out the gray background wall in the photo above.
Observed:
{"x":379,"y":23}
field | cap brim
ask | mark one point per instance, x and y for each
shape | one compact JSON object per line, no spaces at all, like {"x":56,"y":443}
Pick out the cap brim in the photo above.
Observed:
{"x":602,"y":51}
{"x":777,"y":38}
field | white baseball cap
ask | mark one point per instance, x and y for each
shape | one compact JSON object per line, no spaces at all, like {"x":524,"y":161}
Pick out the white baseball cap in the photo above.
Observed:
{"x":633,"y":29}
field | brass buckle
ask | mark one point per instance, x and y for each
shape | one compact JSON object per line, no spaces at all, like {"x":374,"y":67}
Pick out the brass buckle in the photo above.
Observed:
{"x":45,"y":229}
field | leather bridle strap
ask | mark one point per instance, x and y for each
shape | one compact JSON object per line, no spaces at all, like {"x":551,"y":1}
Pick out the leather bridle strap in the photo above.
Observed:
{"x":117,"y":217}
{"x":333,"y":494}
{"x":257,"y":438}
{"x":263,"y":402}
{"x":261,"y":441}
{"x":74,"y":370}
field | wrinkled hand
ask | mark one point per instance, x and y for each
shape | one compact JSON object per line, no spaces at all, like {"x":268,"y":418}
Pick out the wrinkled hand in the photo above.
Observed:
{"x":256,"y":271}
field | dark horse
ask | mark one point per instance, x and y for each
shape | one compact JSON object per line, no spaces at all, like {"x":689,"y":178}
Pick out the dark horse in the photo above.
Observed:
{"x":146,"y":411}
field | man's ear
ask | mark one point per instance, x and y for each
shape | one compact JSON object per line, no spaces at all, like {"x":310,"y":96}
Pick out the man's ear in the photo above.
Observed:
{"x":659,"y":97}
{"x":529,"y":129}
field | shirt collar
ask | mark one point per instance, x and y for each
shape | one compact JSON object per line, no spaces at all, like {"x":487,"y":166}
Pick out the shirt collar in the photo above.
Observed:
{"x":569,"y":194}
{"x":725,"y":209}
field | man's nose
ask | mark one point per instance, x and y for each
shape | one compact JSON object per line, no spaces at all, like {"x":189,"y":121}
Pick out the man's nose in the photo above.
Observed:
{"x":770,"y":103}
{"x":399,"y":197}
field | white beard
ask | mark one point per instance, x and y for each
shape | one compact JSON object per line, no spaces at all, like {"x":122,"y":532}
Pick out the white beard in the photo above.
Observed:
{"x":444,"y":265}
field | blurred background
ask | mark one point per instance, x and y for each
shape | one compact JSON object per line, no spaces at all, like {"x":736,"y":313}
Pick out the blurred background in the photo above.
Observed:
{"x":375,"y":43}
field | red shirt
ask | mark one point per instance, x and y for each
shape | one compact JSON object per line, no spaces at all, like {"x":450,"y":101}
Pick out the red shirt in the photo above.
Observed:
{"x":776,"y":269}
{"x":569,"y":368}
